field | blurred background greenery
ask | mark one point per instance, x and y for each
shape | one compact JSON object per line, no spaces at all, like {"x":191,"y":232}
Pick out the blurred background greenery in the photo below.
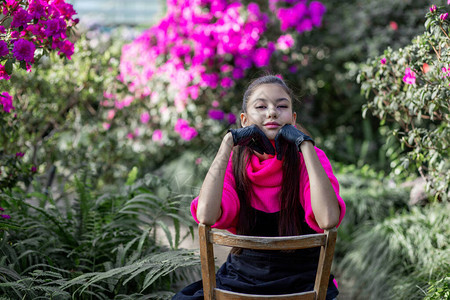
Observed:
{"x":105,"y":216}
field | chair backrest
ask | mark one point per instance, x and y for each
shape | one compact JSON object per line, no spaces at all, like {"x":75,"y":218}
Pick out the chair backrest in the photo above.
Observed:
{"x":208,"y":237}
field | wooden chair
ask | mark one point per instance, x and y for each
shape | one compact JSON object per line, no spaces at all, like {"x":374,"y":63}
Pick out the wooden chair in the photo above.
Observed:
{"x":208,"y":237}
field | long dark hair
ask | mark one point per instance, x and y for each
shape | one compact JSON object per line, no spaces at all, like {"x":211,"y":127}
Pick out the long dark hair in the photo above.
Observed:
{"x":291,"y":212}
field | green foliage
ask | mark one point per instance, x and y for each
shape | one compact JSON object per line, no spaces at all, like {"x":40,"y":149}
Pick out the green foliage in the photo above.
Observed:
{"x":439,"y":289}
{"x":370,"y":197}
{"x":418,"y":113}
{"x":398,"y":257}
{"x":98,"y":246}
{"x":328,"y":63}
{"x":57,"y":120}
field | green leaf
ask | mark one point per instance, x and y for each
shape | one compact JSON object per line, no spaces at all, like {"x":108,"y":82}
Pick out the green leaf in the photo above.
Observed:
{"x":132,"y":176}
{"x":9,"y":66}
{"x":23,"y":65}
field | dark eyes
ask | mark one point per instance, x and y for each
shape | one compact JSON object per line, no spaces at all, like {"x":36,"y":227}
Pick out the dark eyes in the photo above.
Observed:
{"x":279,"y":106}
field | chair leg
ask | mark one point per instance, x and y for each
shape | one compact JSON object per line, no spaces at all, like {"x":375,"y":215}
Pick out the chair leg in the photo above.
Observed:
{"x":207,"y":262}
{"x":324,"y":267}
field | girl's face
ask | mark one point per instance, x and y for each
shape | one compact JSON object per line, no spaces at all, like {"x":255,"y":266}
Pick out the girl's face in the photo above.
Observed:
{"x":270,"y":108}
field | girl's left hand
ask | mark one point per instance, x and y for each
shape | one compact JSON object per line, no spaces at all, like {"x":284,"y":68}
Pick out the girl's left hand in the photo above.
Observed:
{"x":288,"y":133}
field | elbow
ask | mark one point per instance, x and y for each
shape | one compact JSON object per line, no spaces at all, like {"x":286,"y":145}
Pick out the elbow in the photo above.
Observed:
{"x":207,"y":218}
{"x":328,"y":225}
{"x":330,"y":221}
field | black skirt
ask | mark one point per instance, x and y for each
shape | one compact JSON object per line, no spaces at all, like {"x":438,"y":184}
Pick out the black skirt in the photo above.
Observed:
{"x":267,"y":272}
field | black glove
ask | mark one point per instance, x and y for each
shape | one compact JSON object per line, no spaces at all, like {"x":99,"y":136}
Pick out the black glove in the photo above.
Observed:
{"x":289,"y":134}
{"x":253,"y":137}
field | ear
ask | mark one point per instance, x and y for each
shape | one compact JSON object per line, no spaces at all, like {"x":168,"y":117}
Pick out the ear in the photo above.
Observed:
{"x":244,"y":119}
{"x":294,"y":117}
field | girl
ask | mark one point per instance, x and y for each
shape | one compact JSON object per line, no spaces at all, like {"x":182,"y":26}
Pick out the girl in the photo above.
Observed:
{"x":268,"y":179}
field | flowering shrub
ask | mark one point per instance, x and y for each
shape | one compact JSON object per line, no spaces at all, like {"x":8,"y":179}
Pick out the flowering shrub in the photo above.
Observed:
{"x":35,"y":24}
{"x":199,"y":54}
{"x":28,"y":30}
{"x":410,"y":88}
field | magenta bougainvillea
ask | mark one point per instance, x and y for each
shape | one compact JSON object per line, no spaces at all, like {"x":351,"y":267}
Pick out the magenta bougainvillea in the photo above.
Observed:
{"x":205,"y":45}
{"x":33,"y":25}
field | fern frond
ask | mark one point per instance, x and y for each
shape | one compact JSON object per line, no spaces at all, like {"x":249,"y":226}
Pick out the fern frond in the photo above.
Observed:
{"x":155,"y":266}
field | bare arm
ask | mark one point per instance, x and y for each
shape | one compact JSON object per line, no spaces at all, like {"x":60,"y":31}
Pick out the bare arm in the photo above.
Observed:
{"x":210,"y":197}
{"x":324,"y":202}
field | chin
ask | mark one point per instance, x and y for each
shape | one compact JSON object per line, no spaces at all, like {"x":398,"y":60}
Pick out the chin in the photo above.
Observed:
{"x":271,"y":135}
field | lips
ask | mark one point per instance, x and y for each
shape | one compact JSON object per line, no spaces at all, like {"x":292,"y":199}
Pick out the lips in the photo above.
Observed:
{"x":272,"y":125}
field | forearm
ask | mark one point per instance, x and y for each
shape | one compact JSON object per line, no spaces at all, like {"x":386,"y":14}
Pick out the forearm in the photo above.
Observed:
{"x":324,"y":202}
{"x":210,"y":197}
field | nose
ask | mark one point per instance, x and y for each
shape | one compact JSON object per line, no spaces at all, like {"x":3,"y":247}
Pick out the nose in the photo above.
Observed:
{"x":272,"y":112}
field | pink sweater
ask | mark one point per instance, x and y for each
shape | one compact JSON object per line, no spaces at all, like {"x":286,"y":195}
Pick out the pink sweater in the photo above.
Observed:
{"x":266,"y":178}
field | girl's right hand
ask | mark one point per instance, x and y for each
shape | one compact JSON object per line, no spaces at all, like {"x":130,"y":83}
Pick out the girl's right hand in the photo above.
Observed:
{"x":253,"y":137}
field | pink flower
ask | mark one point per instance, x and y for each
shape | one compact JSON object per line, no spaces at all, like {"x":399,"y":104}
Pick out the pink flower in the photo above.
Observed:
{"x":3,"y":74}
{"x":226,"y":82}
{"x":225,"y":68}
{"x":37,"y":9}
{"x":285,"y":42}
{"x":5,"y":216}
{"x":157,"y":135}
{"x":67,"y":48}
{"x":393,"y":25}
{"x":181,"y":125}
{"x":106,"y":126}
{"x":433,"y":8}
{"x":3,"y":48}
{"x":145,"y":117}
{"x":210,"y":80}
{"x":2,"y":28}
{"x":193,"y":91}
{"x":11,"y":2}
{"x":215,"y":103}
{"x":290,"y":17}
{"x":238,"y":73}
{"x":316,"y":11}
{"x":130,"y":136}
{"x":410,"y":76}
{"x":443,"y":16}
{"x":33,"y":169}
{"x":188,"y":134}
{"x":111,"y":114}
{"x":20,"y":154}
{"x":231,"y":118}
{"x":261,"y":57}
{"x":216,"y":114}
{"x":6,"y":101}
{"x":24,"y":50}
{"x":293,"y":69}
{"x":383,"y":61}
{"x":198,"y":161}
{"x":20,"y":17}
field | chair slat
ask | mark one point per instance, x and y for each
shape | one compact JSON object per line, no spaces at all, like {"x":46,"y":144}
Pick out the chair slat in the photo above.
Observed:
{"x":268,"y":243}
{"x":227,"y":295}
{"x":207,"y":238}
{"x":324,"y":266}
